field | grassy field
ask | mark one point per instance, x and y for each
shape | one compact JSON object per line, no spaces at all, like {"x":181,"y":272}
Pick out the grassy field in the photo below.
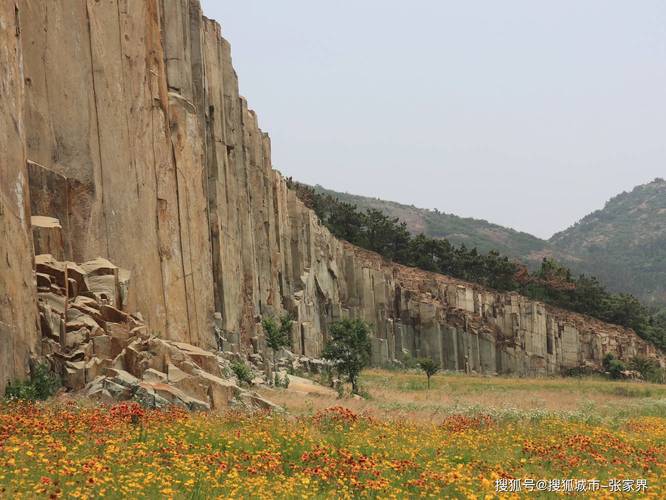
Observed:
{"x":403,"y":394}
{"x":466,"y":437}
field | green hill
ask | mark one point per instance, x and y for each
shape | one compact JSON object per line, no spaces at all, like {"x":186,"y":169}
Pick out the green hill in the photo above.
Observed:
{"x":478,"y":233}
{"x":624,"y":244}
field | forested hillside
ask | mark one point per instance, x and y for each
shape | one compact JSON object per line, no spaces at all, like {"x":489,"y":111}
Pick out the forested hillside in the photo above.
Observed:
{"x":473,"y":233}
{"x":624,"y":244}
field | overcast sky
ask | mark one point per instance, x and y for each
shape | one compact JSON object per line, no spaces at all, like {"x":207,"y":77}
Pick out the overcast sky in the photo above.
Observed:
{"x":526,"y":113}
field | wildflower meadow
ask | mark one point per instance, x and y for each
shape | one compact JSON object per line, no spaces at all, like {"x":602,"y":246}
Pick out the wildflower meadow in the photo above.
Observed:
{"x":66,"y":450}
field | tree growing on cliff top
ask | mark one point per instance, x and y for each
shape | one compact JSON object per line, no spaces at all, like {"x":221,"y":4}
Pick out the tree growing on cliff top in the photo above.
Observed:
{"x":277,"y":334}
{"x":349,"y":348}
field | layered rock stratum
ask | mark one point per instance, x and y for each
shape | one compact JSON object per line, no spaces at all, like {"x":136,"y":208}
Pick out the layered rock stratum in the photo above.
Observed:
{"x":124,"y":136}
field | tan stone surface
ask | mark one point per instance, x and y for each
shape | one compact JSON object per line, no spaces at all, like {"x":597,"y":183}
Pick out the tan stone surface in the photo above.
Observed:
{"x":18,"y":311}
{"x":98,"y":115}
{"x":47,"y":236}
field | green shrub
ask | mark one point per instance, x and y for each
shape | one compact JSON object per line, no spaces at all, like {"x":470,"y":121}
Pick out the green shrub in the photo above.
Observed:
{"x":579,"y":371}
{"x":281,"y":382}
{"x":277,"y":335}
{"x":607,"y":360}
{"x":648,"y":368}
{"x":410,"y":362}
{"x":243,"y":372}
{"x":43,"y":383}
{"x":613,"y":366}
{"x":616,"y":368}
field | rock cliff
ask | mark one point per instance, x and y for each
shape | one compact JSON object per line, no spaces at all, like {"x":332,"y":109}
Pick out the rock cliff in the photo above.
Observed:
{"x":18,"y":328}
{"x":122,"y":119}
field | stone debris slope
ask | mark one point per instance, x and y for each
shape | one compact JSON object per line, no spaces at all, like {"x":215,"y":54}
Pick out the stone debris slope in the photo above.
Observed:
{"x":100,"y":350}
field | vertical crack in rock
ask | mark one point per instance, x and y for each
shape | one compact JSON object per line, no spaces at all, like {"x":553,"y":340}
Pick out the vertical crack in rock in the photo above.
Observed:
{"x":97,"y":126}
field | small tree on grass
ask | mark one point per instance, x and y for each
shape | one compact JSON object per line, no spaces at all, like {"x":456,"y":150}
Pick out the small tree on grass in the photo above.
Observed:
{"x":429,"y":367}
{"x":277,"y":334}
{"x":349,"y":348}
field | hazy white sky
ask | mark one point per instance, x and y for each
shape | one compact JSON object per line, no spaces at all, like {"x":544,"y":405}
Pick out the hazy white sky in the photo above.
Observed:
{"x":526,"y":113}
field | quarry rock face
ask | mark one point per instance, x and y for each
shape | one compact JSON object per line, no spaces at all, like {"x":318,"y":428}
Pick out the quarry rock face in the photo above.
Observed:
{"x":18,"y":321}
{"x":109,"y":159}
{"x":129,"y":140}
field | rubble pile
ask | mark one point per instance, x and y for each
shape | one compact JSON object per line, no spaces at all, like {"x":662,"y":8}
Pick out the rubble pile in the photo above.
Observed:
{"x":286,"y":361}
{"x":101,"y":351}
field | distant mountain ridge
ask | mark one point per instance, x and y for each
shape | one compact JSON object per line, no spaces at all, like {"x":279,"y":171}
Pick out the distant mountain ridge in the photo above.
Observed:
{"x":479,"y":233}
{"x":623,"y":244}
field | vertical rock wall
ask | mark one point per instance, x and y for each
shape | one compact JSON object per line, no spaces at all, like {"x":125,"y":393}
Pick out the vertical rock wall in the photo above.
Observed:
{"x":18,"y":329}
{"x":140,"y":145}
{"x":102,"y":113}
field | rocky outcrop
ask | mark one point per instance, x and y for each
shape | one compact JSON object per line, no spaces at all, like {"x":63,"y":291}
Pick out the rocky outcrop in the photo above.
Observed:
{"x":141,"y":148}
{"x":467,"y":328}
{"x":100,"y":350}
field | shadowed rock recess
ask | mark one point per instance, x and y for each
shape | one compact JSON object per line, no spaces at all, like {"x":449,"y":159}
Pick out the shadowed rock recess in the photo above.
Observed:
{"x":124,"y":135}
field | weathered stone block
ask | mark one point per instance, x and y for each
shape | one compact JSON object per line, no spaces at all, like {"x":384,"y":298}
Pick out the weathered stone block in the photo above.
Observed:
{"x":102,"y":347}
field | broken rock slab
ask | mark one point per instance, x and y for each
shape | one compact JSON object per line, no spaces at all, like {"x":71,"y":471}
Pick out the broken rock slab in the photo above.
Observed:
{"x":57,"y":270}
{"x":206,"y":360}
{"x":105,"y":352}
{"x":159,"y":394}
{"x":253,"y":401}
{"x":47,"y":236}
